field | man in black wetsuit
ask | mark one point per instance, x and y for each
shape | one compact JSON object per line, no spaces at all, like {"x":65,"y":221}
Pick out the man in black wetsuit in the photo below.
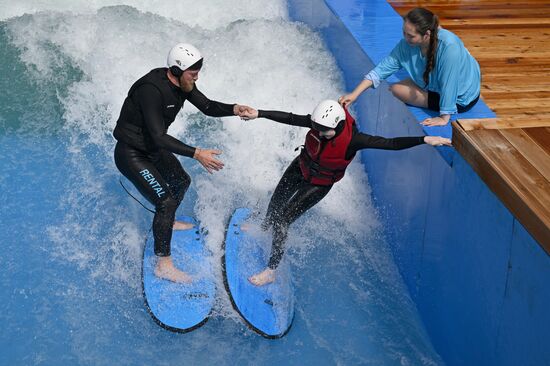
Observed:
{"x":330,"y":146}
{"x":145,"y":152}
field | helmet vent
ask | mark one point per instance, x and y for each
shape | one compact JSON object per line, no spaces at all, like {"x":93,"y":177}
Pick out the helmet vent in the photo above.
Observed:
{"x":327,"y":112}
{"x":183,"y":55}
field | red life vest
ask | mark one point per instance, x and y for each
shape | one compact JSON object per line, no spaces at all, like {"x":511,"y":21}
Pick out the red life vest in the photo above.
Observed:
{"x":323,"y":162}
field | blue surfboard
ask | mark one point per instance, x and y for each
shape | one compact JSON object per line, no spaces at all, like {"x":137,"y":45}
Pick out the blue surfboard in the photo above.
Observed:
{"x":268,"y":309}
{"x":175,"y":306}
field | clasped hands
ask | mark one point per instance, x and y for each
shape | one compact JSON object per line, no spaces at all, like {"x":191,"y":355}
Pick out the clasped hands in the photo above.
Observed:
{"x":245,"y":112}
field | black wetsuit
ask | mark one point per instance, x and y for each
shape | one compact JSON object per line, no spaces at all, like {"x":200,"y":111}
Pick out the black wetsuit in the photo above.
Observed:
{"x":294,"y":195}
{"x":144,"y":152}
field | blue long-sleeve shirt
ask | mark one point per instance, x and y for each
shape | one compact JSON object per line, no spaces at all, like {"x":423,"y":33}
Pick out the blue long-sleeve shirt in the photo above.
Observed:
{"x":456,"y":75}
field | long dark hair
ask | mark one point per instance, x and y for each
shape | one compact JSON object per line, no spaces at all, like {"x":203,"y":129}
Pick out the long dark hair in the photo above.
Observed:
{"x":424,"y":20}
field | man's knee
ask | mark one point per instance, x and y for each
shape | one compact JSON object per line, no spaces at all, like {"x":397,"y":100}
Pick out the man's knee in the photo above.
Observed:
{"x":168,"y":205}
{"x":186,"y":181}
{"x":181,"y":187}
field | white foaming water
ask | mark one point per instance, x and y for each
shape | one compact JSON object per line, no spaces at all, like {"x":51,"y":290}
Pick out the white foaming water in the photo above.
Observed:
{"x":268,"y":64}
{"x":209,"y":14}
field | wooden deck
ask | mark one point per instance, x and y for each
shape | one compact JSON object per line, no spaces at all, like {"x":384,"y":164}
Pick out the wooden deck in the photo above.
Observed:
{"x":511,"y":41}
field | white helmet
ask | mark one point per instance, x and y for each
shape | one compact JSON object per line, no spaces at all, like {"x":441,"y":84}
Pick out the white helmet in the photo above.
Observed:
{"x":182,"y":56}
{"x":328,"y":113}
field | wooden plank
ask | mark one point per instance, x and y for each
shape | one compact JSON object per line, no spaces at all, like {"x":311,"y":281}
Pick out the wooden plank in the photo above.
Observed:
{"x":466,"y":2}
{"x":495,"y":23}
{"x":525,"y":103}
{"x":503,"y":32}
{"x":500,"y":123}
{"x":526,"y":22}
{"x":503,"y":181}
{"x":511,"y":197}
{"x":487,"y":67}
{"x":509,"y":51}
{"x":533,"y":93}
{"x":518,"y":113}
{"x":541,"y":136}
{"x":530,"y":150}
{"x":506,"y":48}
{"x":514,"y":84}
{"x":460,"y":6}
{"x":517,"y":62}
{"x":510,"y":91}
{"x":484,"y":11}
{"x":533,"y":78}
{"x":516,"y":171}
{"x":499,"y":39}
{"x":516,"y":121}
{"x":496,"y":39}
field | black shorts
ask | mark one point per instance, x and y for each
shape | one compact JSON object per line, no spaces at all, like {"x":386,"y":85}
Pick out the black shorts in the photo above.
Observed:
{"x":433,"y":103}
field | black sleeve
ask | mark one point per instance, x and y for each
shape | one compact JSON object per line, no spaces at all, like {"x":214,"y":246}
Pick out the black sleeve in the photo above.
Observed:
{"x":286,"y":118}
{"x":150,"y":101}
{"x":209,"y":107}
{"x":361,"y":141}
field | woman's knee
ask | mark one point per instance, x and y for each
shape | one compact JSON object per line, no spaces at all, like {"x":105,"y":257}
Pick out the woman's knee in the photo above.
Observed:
{"x":399,"y":90}
{"x":409,"y":93}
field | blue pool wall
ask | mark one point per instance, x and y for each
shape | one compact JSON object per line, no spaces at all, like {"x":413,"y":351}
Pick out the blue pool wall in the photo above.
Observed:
{"x":478,"y":278}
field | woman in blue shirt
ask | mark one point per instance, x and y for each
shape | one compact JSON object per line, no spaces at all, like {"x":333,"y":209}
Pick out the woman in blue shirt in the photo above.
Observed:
{"x":443,"y":75}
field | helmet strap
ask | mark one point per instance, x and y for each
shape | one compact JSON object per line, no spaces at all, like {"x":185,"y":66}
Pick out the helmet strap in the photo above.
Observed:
{"x":176,"y":71}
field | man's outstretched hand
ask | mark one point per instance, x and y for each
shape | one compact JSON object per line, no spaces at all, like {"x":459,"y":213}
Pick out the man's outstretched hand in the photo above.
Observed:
{"x":207,"y":158}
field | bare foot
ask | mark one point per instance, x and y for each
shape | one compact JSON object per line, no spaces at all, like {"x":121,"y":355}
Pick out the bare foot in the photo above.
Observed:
{"x":180,"y":225}
{"x":165,"y":269}
{"x":263,"y":278}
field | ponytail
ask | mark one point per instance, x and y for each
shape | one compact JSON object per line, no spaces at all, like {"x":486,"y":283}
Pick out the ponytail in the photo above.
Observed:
{"x":424,"y":21}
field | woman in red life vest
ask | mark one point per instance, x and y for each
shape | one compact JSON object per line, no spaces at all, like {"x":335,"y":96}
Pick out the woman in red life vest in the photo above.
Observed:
{"x":330,"y":146}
